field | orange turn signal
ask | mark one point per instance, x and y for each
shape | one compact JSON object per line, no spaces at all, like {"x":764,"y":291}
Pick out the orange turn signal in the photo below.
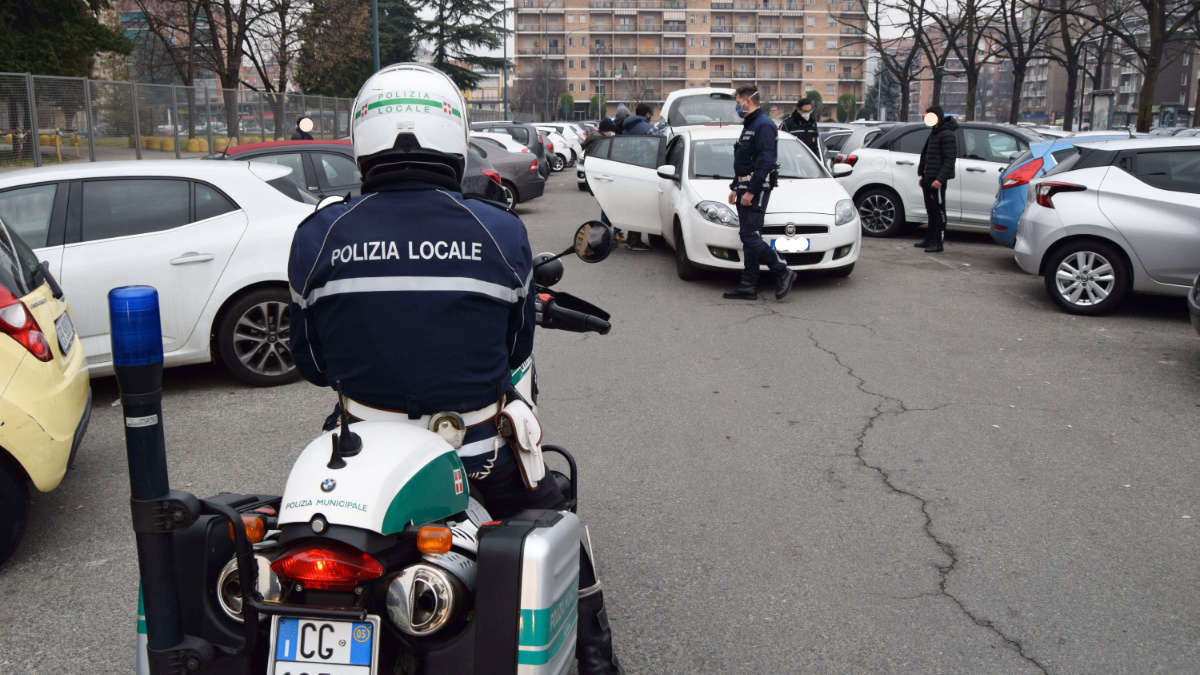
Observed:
{"x":256,"y":529}
{"x":431,"y":539}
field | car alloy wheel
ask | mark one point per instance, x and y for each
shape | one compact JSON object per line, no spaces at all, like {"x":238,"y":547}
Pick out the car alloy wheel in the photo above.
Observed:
{"x":878,"y":213}
{"x":255,"y":338}
{"x":557,"y":163}
{"x":1088,"y":277}
{"x":1085,"y":278}
{"x":510,"y":195}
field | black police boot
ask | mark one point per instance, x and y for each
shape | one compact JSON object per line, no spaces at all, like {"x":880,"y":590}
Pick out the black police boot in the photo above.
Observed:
{"x":783,"y":283}
{"x":593,"y":646}
{"x":923,"y":243}
{"x":935,"y":242}
{"x":743,"y":291}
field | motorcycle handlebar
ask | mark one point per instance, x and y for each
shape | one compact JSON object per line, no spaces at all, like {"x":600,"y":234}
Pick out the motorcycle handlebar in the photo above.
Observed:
{"x":555,"y":316}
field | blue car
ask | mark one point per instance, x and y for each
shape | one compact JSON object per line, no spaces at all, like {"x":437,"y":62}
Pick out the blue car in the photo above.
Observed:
{"x":1031,"y":165}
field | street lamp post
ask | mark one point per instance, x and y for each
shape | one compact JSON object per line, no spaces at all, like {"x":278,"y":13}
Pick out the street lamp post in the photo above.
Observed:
{"x":375,"y":31}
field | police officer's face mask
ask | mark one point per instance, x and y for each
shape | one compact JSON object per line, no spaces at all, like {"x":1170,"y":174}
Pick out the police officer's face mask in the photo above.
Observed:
{"x":737,"y":107}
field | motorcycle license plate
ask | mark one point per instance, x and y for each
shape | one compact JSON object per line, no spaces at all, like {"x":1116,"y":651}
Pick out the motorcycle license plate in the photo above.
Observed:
{"x":790,"y":244}
{"x":66,"y":332}
{"x":301,"y":646}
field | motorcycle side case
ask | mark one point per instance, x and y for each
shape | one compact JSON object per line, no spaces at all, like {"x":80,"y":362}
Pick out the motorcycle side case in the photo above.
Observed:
{"x":526,"y":604}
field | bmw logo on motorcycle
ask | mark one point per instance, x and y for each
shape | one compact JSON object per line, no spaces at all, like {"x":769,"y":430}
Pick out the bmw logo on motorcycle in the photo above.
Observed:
{"x":328,"y":484}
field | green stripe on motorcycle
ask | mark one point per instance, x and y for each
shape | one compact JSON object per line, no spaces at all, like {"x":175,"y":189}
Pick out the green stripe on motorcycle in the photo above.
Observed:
{"x":540,"y":657}
{"x":539,"y":626}
{"x":141,"y":620}
{"x":429,"y":495}
{"x":519,"y":373}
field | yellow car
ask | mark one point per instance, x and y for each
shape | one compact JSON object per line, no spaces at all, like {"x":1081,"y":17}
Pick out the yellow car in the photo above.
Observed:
{"x":45,"y":395}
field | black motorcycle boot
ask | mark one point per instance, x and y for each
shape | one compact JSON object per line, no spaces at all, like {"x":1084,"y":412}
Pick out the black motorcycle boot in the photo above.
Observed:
{"x":745,"y":290}
{"x":593,"y":645}
{"x":783,"y":283}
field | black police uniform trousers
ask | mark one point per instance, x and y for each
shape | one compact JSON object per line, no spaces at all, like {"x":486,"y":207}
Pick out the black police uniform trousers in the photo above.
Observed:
{"x":935,"y":206}
{"x":755,"y":250}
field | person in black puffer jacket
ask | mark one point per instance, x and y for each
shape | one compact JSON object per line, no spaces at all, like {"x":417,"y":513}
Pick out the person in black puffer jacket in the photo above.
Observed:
{"x":802,"y":124}
{"x":934,"y":171}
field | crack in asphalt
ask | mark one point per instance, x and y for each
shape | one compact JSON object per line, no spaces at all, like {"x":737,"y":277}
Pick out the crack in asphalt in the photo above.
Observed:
{"x":890,"y":405}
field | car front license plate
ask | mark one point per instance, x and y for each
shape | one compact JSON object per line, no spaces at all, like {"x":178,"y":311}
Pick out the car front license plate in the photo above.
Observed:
{"x":302,"y":646}
{"x":66,"y":332}
{"x":790,"y":244}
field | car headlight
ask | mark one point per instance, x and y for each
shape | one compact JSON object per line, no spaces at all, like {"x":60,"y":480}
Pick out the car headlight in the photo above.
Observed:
{"x":716,"y":212}
{"x":423,"y":599}
{"x":844,"y":212}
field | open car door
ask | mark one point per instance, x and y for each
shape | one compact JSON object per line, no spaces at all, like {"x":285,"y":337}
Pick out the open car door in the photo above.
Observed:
{"x":621,"y":173}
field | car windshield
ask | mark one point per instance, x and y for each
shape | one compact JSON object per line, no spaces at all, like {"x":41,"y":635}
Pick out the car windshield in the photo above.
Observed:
{"x":714,"y":159}
{"x":703,"y":109}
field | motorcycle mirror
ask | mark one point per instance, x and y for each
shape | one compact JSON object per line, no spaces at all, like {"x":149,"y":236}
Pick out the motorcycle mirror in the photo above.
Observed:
{"x":593,"y":241}
{"x":547,"y":269}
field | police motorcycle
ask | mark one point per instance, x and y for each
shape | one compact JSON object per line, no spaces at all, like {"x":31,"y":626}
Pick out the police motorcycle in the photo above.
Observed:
{"x":375,"y":560}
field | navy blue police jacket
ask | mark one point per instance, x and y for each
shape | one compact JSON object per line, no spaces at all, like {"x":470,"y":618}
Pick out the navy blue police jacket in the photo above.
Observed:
{"x":754,"y":154}
{"x":413,"y":297}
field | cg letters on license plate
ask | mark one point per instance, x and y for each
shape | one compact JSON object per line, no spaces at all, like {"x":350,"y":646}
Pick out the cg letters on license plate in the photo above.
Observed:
{"x":790,"y":244}
{"x":317,"y":646}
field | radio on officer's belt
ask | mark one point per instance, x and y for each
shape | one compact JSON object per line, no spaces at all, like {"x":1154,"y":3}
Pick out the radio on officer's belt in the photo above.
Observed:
{"x":773,"y":177}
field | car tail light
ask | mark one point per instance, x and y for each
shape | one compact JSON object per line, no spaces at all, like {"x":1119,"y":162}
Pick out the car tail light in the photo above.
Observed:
{"x":846,"y":159}
{"x":533,"y":166}
{"x":492,"y":175}
{"x":329,"y":565}
{"x":524,"y":149}
{"x":550,"y":147}
{"x":1046,"y":191}
{"x":1022,"y":174}
{"x":20,"y":325}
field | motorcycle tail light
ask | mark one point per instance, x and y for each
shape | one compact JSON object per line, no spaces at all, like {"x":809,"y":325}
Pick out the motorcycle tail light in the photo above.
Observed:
{"x":1047,"y":190}
{"x":20,"y":325}
{"x":1022,"y":174}
{"x":330,"y":565}
{"x":492,"y":175}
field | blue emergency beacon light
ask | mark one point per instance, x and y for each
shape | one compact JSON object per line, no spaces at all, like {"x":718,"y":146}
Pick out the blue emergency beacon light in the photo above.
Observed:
{"x":157,"y":512}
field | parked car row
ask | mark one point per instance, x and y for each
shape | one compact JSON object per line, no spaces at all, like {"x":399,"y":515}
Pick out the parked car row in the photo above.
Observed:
{"x":1097,"y":214}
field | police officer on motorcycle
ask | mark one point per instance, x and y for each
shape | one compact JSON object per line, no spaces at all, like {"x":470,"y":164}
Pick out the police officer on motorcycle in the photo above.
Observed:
{"x":754,"y":171}
{"x":416,"y":300}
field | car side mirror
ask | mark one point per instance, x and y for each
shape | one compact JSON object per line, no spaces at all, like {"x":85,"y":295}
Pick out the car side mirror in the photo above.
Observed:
{"x":668,"y":171}
{"x":841,"y":170}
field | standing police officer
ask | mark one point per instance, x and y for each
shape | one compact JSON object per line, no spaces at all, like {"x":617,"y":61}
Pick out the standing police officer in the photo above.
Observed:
{"x":753,"y":170}
{"x":417,"y":300}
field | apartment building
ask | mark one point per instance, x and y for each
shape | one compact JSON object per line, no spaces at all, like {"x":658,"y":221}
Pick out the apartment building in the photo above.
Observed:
{"x":633,"y":51}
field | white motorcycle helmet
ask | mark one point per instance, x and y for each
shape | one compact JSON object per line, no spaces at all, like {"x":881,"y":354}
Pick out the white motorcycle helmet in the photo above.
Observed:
{"x":409,"y":115}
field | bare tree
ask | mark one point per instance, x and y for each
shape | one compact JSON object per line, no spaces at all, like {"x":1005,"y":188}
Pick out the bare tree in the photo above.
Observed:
{"x":229,"y":24}
{"x":175,"y":27}
{"x":274,"y":43}
{"x":893,"y":40}
{"x":1144,"y":28}
{"x":537,"y":86}
{"x":935,"y":39}
{"x":971,"y":22}
{"x":1022,"y":35}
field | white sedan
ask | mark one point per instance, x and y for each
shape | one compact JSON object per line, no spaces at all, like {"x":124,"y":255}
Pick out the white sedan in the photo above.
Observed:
{"x":212,"y":237}
{"x":511,"y":144}
{"x":810,"y":221}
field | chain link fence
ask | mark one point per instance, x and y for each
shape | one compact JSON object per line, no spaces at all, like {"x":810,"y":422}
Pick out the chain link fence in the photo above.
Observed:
{"x":48,"y":120}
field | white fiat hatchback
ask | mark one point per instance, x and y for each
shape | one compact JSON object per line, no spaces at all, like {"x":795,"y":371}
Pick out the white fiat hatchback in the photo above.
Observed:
{"x":810,"y":221}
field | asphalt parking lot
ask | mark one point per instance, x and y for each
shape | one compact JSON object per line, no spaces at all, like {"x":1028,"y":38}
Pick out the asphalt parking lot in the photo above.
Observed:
{"x":923,"y":468}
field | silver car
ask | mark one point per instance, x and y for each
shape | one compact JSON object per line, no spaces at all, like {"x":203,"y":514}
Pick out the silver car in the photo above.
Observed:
{"x":1117,"y":216}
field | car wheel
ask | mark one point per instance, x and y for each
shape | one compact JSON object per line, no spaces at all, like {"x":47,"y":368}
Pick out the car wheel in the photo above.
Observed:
{"x":510,"y":194}
{"x":1087,"y":277}
{"x":557,"y":163}
{"x":13,"y":509}
{"x":254,"y":338}
{"x":683,"y":267}
{"x":655,"y":240}
{"x":843,"y":271}
{"x":881,"y":212}
{"x":583,"y":187}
